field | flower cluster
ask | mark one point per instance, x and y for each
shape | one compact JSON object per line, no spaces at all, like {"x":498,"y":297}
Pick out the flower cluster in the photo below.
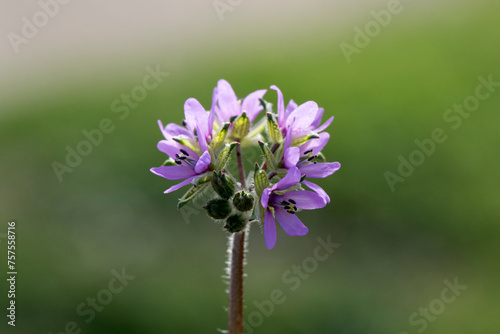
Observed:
{"x":291,"y":141}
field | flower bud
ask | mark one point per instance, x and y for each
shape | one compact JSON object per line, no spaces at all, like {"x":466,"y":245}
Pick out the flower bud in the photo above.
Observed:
{"x":223,"y":185}
{"x":243,"y":201}
{"x":236,"y":223}
{"x":260,"y":180}
{"x":273,"y":129}
{"x":218,"y":208}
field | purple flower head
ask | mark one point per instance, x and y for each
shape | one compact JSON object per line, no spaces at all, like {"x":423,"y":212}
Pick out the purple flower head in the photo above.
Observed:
{"x":188,"y":164}
{"x":283,"y":205}
{"x":186,"y":146}
{"x":197,"y":125}
{"x":228,"y":106}
{"x":300,"y":120}
{"x":304,"y":158}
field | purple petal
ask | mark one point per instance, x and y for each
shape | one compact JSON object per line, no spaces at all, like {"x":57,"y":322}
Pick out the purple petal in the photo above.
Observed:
{"x":195,"y":115}
{"x":306,"y":200}
{"x":202,"y":139}
{"x":228,"y":102}
{"x":291,"y":107}
{"x":291,"y":178}
{"x":290,"y":223}
{"x":173,"y":172}
{"x":179,"y":185}
{"x":174,"y":130}
{"x":316,"y":144}
{"x":291,"y":157}
{"x":288,"y":137}
{"x":320,"y":170}
{"x":211,"y":116}
{"x":171,"y":148}
{"x":317,"y":120}
{"x":305,"y":114}
{"x":264,"y":199}
{"x":281,"y":107}
{"x":251,"y":104}
{"x":269,"y":230}
{"x":162,"y":129}
{"x":203,"y":162}
{"x":325,"y":125}
{"x":314,"y":187}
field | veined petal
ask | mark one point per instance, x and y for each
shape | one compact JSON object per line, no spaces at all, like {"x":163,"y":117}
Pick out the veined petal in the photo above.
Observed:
{"x":251,"y":104}
{"x":179,"y":185}
{"x":306,"y":200}
{"x":173,"y":172}
{"x":316,"y":144}
{"x":174,"y":130}
{"x":269,"y":229}
{"x":291,"y":157}
{"x":228,"y":102}
{"x":290,"y":223}
{"x":325,"y":125}
{"x":202,"y":163}
{"x":314,"y":187}
{"x":202,"y":139}
{"x":291,"y":178}
{"x":195,"y":115}
{"x":281,"y":107}
{"x":264,"y":200}
{"x":320,"y":170}
{"x":305,"y":114}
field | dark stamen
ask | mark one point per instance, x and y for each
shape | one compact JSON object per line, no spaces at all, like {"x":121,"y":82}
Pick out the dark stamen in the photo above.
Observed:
{"x":177,"y":161}
{"x":184,"y":152}
{"x":292,"y":201}
{"x":307,"y":152}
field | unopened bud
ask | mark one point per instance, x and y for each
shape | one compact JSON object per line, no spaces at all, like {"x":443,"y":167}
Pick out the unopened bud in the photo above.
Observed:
{"x":235,"y":223}
{"x":223,"y":185}
{"x":243,"y":201}
{"x":218,"y":208}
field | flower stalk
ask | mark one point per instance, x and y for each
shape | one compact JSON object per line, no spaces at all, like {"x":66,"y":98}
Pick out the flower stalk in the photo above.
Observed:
{"x":235,"y":311}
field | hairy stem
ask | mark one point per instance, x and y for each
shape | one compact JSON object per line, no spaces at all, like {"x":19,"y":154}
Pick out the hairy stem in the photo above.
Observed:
{"x":235,"y":321}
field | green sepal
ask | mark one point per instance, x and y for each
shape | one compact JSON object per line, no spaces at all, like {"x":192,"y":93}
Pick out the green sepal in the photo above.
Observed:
{"x":261,"y":182}
{"x":192,"y":194}
{"x":220,"y":137}
{"x":303,"y":139}
{"x":273,"y":129}
{"x":268,"y":155}
{"x":241,"y":127}
{"x":187,"y":143}
{"x":224,"y":155}
{"x":169,"y":162}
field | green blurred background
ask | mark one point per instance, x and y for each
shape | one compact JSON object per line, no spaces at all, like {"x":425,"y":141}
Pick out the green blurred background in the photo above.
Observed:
{"x":396,"y":247}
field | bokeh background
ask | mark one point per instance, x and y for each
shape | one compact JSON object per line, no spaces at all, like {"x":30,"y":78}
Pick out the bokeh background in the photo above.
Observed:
{"x":396,"y":247}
